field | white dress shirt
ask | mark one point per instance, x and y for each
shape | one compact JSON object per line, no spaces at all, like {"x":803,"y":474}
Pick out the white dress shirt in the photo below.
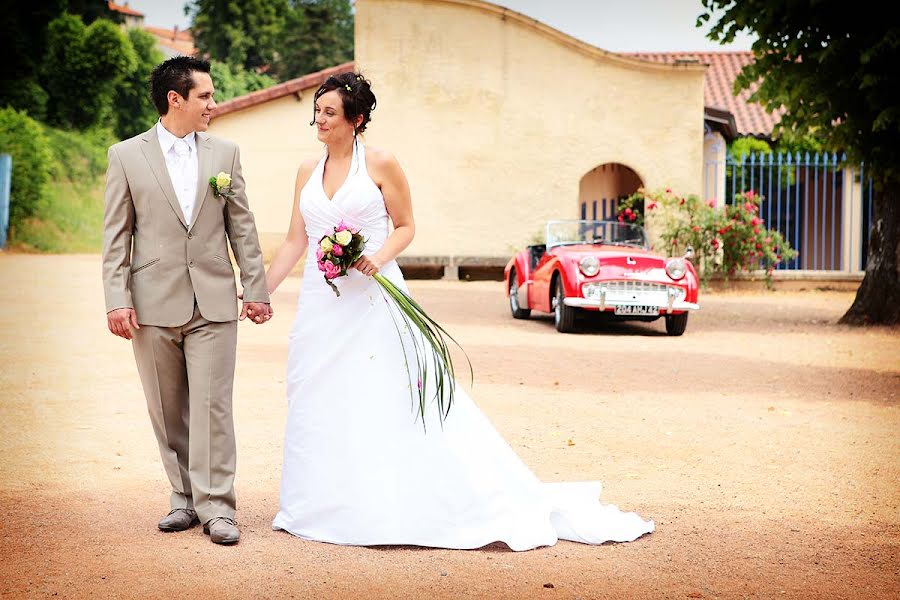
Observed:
{"x":181,"y":162}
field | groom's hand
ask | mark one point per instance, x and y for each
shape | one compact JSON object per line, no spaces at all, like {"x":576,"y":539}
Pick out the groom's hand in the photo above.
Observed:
{"x":121,"y":321}
{"x":259,"y":312}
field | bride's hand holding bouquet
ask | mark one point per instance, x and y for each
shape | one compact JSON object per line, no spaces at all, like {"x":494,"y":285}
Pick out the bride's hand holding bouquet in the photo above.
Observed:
{"x":342,"y":250}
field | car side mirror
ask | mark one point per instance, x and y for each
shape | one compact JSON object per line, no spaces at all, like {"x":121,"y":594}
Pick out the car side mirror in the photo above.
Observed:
{"x":689,"y":252}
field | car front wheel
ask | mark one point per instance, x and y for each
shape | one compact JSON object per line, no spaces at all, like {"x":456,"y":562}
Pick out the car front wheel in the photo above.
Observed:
{"x":517,"y":311}
{"x":676,"y":324}
{"x":563,"y":315}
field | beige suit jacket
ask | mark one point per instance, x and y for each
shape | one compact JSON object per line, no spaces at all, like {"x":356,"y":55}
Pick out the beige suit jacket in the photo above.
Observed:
{"x":152,"y":261}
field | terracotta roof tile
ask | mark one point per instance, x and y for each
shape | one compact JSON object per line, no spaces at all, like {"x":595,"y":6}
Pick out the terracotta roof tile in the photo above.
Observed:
{"x":282,"y":89}
{"x":178,"y":41}
{"x":125,"y":10}
{"x":724,"y":66}
{"x":180,"y":35}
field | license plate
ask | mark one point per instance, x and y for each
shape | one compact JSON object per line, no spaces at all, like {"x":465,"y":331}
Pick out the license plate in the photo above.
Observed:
{"x":637,"y":310}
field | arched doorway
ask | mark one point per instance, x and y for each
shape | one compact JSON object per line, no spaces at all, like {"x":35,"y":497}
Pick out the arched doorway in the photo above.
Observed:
{"x":601,"y":188}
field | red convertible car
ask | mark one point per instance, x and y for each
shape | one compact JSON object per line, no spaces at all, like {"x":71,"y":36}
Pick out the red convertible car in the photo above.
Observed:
{"x":601,"y":266}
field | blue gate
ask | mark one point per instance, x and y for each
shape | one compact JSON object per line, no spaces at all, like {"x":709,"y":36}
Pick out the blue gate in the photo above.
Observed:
{"x":820,"y":204}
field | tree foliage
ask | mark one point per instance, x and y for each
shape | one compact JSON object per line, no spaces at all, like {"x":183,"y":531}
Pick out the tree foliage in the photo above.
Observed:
{"x":242,"y":33}
{"x":134,"y":109}
{"x":231,"y":81}
{"x":82,"y":67}
{"x":284,"y":38}
{"x":318,"y":34}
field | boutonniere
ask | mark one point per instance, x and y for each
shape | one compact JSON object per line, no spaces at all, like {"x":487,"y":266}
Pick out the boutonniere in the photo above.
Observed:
{"x":221,"y":185}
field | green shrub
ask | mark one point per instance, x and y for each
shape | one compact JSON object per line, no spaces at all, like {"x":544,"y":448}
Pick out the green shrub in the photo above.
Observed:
{"x":23,"y":138}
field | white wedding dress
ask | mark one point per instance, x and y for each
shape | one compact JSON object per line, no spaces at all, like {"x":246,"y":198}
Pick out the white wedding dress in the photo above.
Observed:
{"x":358,"y":467}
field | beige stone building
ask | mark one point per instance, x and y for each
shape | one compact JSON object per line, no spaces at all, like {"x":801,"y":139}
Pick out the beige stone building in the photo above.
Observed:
{"x":499,"y":121}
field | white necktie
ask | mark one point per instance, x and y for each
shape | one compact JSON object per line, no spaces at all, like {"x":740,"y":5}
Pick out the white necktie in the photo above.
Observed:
{"x":182,"y":150}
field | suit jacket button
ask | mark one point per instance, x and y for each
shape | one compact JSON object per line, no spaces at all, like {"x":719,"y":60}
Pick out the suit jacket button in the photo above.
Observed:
{"x":191,"y":264}
{"x":190,"y":235}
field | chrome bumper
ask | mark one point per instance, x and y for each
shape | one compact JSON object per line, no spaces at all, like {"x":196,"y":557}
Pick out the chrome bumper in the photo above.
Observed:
{"x":602,"y":303}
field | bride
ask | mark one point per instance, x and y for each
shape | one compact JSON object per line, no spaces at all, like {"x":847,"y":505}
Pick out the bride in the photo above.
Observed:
{"x":359,"y":468}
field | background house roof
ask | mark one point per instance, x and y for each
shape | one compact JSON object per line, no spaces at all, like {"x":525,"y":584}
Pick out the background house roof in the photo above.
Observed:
{"x":749,"y":117}
{"x":173,"y":42}
{"x":282,"y":89}
{"x":124,"y":9}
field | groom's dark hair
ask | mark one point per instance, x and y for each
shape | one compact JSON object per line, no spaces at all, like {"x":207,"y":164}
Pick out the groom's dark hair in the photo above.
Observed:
{"x":175,"y":74}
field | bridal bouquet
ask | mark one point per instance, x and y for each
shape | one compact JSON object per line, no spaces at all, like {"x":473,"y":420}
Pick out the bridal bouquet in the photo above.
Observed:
{"x":336,"y":253}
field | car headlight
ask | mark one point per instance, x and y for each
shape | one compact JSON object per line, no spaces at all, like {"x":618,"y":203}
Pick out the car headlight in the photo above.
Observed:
{"x":676,"y":268}
{"x":589,"y":265}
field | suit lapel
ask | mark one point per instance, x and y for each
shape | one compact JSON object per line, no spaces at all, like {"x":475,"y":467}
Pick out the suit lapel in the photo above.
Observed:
{"x":154,"y":156}
{"x":204,"y":171}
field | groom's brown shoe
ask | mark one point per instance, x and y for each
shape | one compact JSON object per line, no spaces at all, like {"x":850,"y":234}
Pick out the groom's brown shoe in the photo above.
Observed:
{"x":179,"y":519}
{"x":222,"y":530}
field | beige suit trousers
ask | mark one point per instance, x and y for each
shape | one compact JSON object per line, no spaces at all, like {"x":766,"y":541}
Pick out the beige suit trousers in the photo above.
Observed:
{"x":187,"y":373}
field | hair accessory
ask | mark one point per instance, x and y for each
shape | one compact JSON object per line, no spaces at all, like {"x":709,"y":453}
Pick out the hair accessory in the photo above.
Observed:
{"x":348,"y":88}
{"x":359,"y":77}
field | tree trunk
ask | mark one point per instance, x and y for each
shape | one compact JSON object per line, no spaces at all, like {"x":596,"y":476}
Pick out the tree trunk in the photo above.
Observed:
{"x":878,"y":298}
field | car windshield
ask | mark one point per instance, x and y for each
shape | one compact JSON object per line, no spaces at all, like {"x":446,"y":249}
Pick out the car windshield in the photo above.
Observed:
{"x":595,"y":232}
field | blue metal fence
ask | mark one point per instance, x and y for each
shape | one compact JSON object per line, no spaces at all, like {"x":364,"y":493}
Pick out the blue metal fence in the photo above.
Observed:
{"x":806,"y":198}
{"x":604,"y":209}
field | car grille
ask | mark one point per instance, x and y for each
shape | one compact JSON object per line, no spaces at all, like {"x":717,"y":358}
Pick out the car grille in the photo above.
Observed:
{"x":637,"y":292}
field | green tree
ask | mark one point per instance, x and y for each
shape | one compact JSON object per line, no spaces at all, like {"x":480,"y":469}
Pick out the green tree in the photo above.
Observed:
{"x":133,"y":107}
{"x":22,"y":45}
{"x":834,"y":71}
{"x":240,"y":32}
{"x":318,"y":34}
{"x":233,"y":81}
{"x":741,"y":148}
{"x":82,"y":67}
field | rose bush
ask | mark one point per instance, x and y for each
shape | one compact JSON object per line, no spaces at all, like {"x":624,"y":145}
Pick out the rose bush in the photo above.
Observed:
{"x":726,"y":240}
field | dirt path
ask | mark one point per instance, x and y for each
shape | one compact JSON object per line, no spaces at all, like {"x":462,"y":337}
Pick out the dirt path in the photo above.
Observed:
{"x":764,"y":443}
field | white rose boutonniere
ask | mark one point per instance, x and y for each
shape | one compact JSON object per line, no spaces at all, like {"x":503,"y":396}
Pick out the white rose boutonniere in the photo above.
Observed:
{"x":221,"y":185}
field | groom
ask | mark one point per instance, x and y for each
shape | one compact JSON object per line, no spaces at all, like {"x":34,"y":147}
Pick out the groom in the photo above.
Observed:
{"x":169,"y":287}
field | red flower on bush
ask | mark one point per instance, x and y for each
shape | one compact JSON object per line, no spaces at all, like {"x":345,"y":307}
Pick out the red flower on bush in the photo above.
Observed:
{"x":711,"y":203}
{"x":695,"y":228}
{"x":651,"y":206}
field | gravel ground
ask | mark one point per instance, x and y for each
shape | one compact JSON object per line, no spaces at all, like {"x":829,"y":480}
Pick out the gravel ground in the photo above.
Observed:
{"x":763,"y":443}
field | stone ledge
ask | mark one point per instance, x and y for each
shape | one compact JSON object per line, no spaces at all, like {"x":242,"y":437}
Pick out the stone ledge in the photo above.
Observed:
{"x":453,"y":267}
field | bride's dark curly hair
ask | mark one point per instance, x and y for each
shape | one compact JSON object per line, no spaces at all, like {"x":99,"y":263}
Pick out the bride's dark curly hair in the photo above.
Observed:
{"x":356,"y":94}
